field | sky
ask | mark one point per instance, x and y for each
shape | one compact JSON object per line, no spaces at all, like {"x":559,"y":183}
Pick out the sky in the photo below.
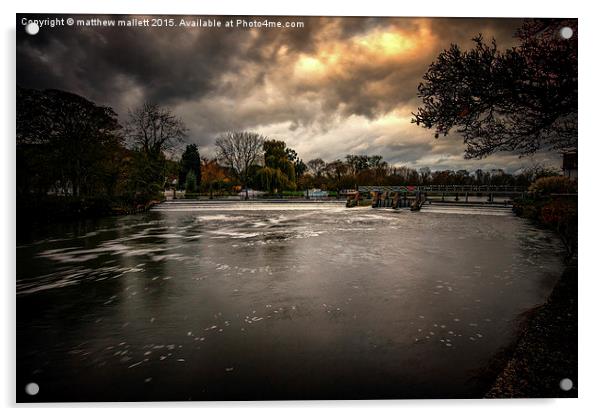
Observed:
{"x":333,"y":87}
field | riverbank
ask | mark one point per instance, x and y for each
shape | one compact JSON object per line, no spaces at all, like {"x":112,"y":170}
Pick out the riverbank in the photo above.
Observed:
{"x":545,"y":351}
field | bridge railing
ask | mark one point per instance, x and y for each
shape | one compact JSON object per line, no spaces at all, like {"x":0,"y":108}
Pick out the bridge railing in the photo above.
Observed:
{"x":444,"y":188}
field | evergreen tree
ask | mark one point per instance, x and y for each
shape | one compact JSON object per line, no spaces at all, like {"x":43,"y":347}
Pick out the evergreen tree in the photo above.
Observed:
{"x":190,"y":162}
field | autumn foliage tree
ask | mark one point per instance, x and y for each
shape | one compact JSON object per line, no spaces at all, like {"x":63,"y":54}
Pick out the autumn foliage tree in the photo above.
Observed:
{"x":212,"y":174}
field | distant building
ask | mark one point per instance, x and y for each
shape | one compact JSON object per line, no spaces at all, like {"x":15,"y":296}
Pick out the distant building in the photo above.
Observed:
{"x":251,"y":192}
{"x":569,"y":164}
{"x":316,"y":193}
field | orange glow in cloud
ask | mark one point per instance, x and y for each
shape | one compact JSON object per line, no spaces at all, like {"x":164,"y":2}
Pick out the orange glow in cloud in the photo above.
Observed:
{"x":387,"y":43}
{"x":309,"y":65}
{"x":382,"y":46}
{"x":396,"y":43}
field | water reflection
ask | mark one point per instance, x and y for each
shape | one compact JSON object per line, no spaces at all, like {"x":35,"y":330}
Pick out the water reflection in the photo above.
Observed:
{"x":239,"y":301}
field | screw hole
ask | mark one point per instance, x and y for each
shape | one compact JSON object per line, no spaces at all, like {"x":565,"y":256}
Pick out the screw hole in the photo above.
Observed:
{"x":32,"y":389}
{"x":32,"y":28}
{"x":566,"y":32}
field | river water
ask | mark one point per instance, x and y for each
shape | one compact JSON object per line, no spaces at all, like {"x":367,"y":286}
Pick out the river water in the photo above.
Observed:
{"x":209,"y":301}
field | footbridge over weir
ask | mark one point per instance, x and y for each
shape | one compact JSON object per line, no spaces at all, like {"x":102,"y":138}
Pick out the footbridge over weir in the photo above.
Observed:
{"x":413,"y":197}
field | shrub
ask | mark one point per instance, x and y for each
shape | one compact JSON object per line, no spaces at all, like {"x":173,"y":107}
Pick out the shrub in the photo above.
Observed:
{"x":561,"y":215}
{"x":554,"y":185}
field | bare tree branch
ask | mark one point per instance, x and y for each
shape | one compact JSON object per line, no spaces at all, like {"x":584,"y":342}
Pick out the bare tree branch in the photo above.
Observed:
{"x":520,"y":100}
{"x":239,"y":151}
{"x":154,"y":129}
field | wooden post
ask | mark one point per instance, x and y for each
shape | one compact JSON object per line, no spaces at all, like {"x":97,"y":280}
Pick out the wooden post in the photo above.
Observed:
{"x":467,"y":197}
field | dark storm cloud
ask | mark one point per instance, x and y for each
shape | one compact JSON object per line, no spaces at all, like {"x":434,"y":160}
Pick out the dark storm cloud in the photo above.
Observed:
{"x":328,"y":88}
{"x":169,"y":64}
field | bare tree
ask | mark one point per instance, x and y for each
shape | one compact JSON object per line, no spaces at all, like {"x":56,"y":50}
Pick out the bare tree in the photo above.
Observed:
{"x":316,"y":167}
{"x":154,"y":129}
{"x":239,"y":151}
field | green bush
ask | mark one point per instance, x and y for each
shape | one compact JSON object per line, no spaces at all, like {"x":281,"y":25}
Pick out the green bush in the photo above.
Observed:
{"x":558,"y":213}
{"x":554,"y":185}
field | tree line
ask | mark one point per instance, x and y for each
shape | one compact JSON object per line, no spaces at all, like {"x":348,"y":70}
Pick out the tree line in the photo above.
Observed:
{"x":70,"y":147}
{"x":74,"y":157}
{"x":248,"y":160}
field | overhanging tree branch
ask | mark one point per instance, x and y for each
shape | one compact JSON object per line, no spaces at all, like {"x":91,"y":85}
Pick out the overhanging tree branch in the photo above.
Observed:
{"x":522,"y":100}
